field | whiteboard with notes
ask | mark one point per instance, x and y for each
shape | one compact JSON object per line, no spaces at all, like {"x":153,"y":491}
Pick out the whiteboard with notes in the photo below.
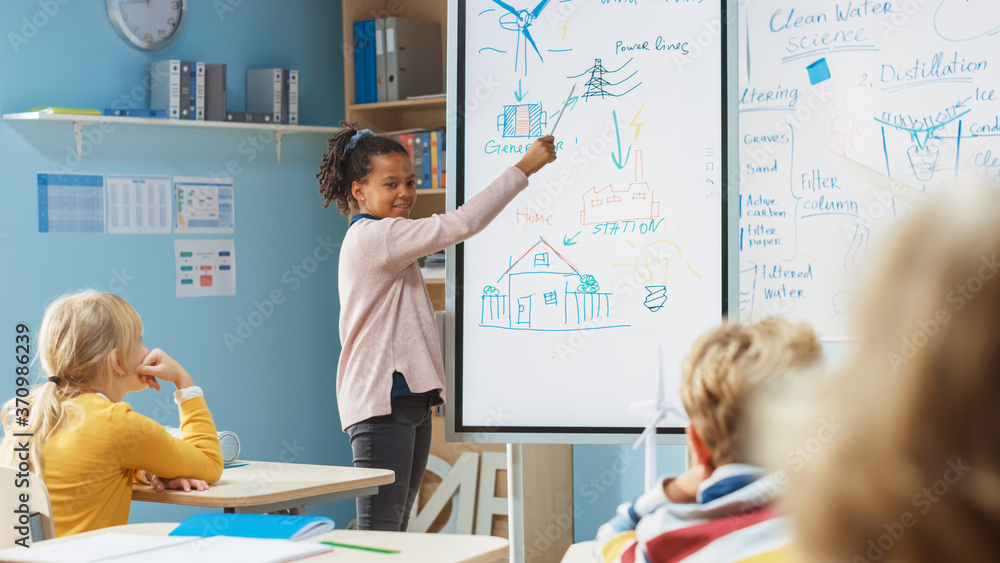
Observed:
{"x":906,"y":88}
{"x":616,"y":253}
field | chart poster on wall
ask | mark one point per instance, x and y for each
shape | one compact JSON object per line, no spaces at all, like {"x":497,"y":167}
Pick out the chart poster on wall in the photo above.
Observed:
{"x":906,"y":89}
{"x":616,"y":252}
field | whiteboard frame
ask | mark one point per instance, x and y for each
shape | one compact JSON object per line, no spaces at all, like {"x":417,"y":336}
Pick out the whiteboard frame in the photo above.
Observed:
{"x":730,"y":256}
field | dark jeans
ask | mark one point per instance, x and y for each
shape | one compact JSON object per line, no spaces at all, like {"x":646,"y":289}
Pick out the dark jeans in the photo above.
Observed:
{"x":400,"y":441}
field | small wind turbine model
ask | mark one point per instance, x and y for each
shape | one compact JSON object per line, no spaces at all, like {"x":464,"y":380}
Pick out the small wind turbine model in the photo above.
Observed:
{"x":655,"y":411}
{"x":522,"y":20}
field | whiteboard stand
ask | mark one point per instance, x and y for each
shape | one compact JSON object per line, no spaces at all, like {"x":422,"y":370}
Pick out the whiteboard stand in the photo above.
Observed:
{"x":515,"y":503}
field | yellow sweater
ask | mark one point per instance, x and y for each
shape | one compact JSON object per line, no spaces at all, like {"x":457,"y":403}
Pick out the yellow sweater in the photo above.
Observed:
{"x":90,"y":465}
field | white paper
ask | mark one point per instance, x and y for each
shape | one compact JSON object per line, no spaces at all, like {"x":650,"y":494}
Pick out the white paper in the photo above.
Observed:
{"x":205,"y":267}
{"x":204,"y":205}
{"x":139,"y":204}
{"x":92,"y":549}
{"x":153,"y":549}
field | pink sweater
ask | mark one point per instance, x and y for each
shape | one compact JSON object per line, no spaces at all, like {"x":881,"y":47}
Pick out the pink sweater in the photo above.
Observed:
{"x":386,"y":317}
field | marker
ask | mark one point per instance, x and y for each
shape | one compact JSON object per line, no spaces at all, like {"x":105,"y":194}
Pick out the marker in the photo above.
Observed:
{"x":361,"y":547}
{"x":561,"y":112}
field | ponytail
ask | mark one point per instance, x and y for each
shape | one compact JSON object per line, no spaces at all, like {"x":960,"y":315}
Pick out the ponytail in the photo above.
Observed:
{"x":47,"y":413}
{"x":348,"y":160}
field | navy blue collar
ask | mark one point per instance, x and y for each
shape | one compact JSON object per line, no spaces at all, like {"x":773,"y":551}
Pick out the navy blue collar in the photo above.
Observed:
{"x":360,"y":216}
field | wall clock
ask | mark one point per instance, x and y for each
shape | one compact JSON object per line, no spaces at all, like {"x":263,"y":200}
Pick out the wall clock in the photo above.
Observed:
{"x":148,"y":24}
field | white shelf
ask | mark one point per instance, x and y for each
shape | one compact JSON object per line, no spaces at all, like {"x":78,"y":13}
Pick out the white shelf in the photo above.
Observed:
{"x":79,"y":121}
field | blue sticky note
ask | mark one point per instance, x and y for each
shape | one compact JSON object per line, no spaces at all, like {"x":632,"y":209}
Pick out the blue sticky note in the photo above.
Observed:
{"x":818,"y":71}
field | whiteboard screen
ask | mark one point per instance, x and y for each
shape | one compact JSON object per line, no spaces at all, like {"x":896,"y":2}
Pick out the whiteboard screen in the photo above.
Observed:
{"x":906,"y":88}
{"x":616,"y":250}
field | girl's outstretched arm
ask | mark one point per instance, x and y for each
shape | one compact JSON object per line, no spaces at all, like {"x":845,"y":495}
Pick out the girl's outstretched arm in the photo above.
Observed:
{"x":405,"y":241}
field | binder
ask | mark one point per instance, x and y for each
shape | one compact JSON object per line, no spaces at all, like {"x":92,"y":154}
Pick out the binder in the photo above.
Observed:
{"x":380,"y":59}
{"x":165,"y":87}
{"x":434,"y":161}
{"x":265,"y":87}
{"x":293,"y":97}
{"x":418,"y":159}
{"x":360,"y":69}
{"x":215,"y":92}
{"x":442,"y":135}
{"x":371,"y":76}
{"x":406,"y":139}
{"x":199,"y":89}
{"x":412,"y":58}
{"x":425,"y":148}
{"x":135,"y":112}
{"x":187,"y":98}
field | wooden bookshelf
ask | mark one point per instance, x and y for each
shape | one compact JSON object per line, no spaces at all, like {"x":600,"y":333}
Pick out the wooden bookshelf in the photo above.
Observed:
{"x":423,"y":113}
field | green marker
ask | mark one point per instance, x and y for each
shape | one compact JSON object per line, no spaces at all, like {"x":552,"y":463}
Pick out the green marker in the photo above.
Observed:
{"x":361,"y":547}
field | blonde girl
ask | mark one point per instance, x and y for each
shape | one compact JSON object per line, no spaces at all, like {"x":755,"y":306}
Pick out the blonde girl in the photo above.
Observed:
{"x":86,"y":444}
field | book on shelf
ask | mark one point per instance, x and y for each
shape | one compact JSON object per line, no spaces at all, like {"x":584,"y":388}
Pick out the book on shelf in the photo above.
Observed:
{"x":165,"y":87}
{"x":198,"y":91}
{"x":403,"y":60}
{"x":215,"y":92}
{"x":412,"y":58}
{"x":426,"y":151}
{"x":186,"y":98}
{"x":48,"y":110}
{"x":136,"y":112}
{"x":274,"y":91}
{"x":265,"y":87}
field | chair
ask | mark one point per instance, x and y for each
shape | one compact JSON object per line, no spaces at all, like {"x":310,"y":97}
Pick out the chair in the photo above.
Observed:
{"x":38,"y":508}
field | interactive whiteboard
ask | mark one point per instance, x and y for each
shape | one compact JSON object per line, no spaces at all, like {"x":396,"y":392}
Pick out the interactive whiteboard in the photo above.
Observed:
{"x":615,"y":251}
{"x":907,"y":88}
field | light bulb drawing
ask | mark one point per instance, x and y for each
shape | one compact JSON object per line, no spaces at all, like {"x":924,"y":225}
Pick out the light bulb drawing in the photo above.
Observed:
{"x":656,"y":264}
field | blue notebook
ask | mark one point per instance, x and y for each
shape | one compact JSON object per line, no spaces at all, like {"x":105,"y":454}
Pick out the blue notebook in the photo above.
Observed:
{"x":273,"y":526}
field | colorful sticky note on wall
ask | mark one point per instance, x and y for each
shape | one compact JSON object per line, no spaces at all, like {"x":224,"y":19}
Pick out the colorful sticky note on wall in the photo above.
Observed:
{"x":818,"y":71}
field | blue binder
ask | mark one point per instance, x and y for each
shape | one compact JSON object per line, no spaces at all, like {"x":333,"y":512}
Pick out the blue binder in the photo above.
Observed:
{"x":360,"y":74}
{"x":371,"y":77}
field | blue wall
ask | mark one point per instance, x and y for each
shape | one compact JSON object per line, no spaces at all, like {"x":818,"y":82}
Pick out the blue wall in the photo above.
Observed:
{"x":277,"y":389}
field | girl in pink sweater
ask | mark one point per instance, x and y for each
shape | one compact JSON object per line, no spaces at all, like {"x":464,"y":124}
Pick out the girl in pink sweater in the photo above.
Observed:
{"x":390,"y":372}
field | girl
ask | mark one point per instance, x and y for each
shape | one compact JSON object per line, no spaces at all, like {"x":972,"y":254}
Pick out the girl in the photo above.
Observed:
{"x":390,"y":372}
{"x":913,"y":473}
{"x":87,"y":445}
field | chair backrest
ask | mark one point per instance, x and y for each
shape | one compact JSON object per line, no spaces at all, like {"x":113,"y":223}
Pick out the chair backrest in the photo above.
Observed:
{"x":31,"y":516}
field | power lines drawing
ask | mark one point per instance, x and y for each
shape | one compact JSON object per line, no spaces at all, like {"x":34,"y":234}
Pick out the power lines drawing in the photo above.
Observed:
{"x":599,"y":86}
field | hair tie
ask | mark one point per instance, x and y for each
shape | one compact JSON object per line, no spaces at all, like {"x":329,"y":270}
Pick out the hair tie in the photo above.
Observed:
{"x":357,"y":137}
{"x":55,"y":380}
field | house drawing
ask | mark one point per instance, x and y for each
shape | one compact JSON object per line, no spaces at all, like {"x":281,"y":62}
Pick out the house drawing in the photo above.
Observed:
{"x":634,"y":203}
{"x":543,"y":291}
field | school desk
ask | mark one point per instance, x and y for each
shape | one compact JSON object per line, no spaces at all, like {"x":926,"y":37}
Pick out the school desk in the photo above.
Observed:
{"x":261,"y":486}
{"x":413,"y":548}
{"x":582,"y":552}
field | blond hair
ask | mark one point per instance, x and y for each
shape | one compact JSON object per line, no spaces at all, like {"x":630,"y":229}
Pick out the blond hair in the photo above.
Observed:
{"x":728,"y":369}
{"x":914,"y":475}
{"x":78,"y":334}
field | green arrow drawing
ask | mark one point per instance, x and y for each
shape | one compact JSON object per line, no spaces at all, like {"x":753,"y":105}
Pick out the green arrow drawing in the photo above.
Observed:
{"x":569,"y":241}
{"x":519,"y":95}
{"x":618,"y":160}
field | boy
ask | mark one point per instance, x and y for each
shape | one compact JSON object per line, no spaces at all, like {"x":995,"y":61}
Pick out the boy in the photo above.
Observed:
{"x":721,"y":508}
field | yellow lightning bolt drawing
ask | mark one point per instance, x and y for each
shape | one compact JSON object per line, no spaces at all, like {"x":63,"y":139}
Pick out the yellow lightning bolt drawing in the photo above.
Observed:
{"x":565,"y":27}
{"x":638,"y":126}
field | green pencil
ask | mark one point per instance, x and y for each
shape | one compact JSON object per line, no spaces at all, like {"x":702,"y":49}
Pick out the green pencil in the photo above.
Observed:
{"x":361,"y":547}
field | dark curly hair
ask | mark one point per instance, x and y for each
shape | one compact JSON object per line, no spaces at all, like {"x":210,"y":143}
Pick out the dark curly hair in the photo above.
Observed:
{"x":341,"y":168}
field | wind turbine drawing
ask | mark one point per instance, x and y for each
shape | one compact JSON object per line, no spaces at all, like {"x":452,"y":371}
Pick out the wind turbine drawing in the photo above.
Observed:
{"x":520,"y":21}
{"x":655,"y":411}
